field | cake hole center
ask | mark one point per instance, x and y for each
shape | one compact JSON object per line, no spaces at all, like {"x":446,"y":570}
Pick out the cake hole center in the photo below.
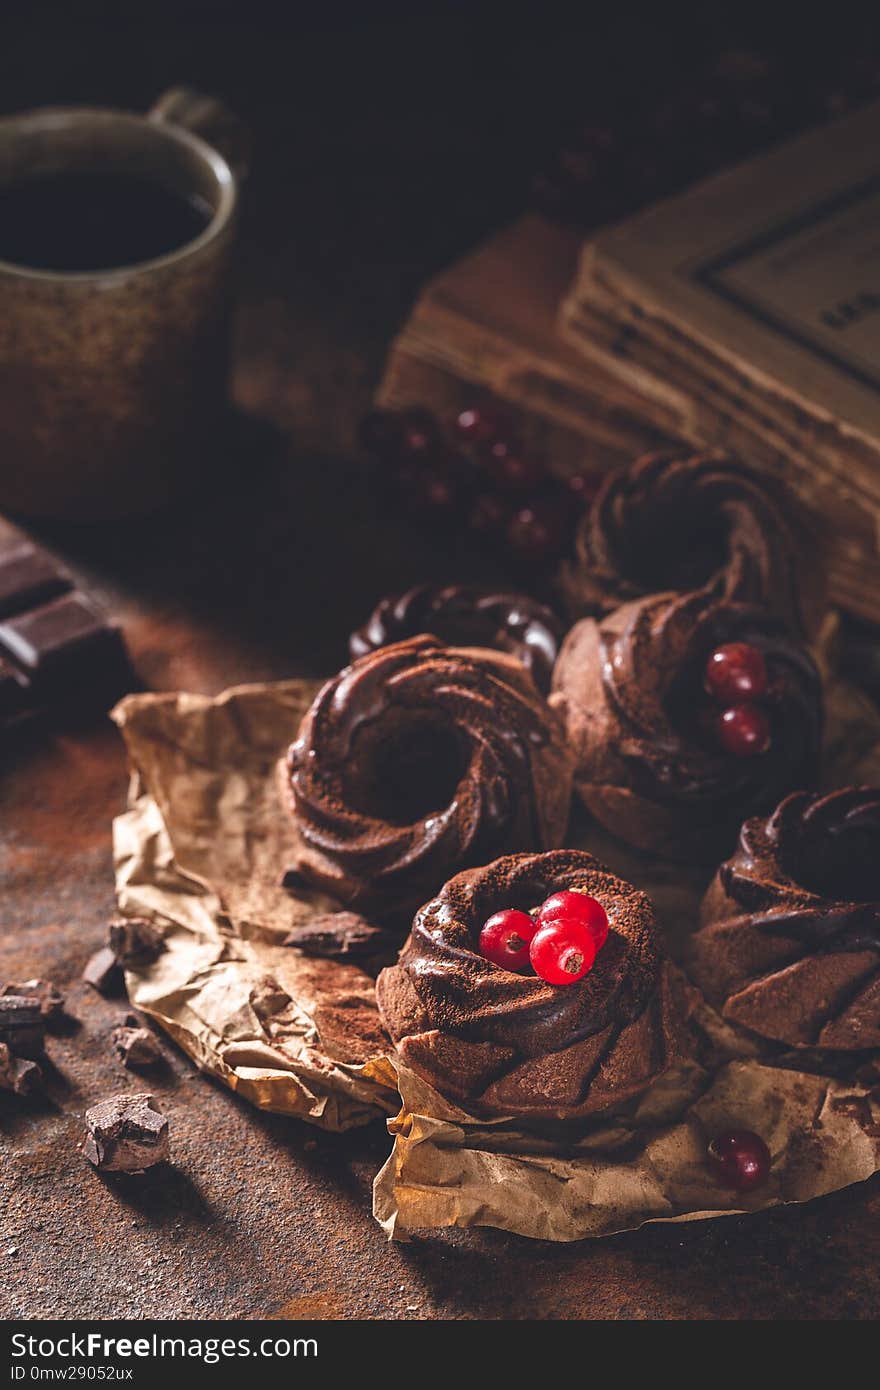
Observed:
{"x":675,"y":554}
{"x":407,"y":768}
{"x":844,"y":867}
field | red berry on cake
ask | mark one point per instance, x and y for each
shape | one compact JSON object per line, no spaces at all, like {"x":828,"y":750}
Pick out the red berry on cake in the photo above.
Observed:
{"x":505,"y":938}
{"x":736,"y":673}
{"x":744,"y":730}
{"x":570,"y":905}
{"x":563,"y":951}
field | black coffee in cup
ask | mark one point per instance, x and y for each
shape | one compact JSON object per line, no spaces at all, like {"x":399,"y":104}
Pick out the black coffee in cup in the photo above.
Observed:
{"x":91,"y":221}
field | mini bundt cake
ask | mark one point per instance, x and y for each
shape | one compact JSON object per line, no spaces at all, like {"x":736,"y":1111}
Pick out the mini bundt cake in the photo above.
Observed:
{"x":673,"y":522}
{"x":466,"y":616}
{"x":420,"y":759}
{"x":502,"y":1043}
{"x":661,"y":761}
{"x":790,"y":942}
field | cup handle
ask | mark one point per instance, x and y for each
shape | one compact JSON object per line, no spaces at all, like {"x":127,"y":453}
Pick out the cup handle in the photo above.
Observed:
{"x":206,"y":116}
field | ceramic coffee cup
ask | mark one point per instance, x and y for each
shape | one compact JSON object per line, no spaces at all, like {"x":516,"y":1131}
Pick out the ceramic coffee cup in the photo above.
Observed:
{"x":113,"y":381}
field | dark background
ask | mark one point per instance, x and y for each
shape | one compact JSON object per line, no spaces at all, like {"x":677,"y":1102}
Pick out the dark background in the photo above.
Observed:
{"x":388,"y":139}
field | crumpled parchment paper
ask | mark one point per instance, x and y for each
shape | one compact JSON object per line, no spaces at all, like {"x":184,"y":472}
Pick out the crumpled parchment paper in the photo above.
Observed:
{"x":646,"y":1164}
{"x":200,"y":851}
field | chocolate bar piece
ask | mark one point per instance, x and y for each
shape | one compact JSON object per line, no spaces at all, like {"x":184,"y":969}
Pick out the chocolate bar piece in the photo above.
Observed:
{"x":63,"y":645}
{"x":27,"y":578}
{"x":55,"y":647}
{"x":22,"y":1026}
{"x":126,"y":1134}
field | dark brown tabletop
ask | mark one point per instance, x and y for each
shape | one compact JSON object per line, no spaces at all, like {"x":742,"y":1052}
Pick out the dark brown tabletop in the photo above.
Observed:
{"x":383,"y":151}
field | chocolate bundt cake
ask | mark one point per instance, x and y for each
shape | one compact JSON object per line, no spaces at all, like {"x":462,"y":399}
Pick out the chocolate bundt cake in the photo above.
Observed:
{"x":657,"y":760}
{"x":466,"y":616}
{"x":790,"y":942}
{"x":702,"y":522}
{"x":420,"y":759}
{"x":504,"y":1043}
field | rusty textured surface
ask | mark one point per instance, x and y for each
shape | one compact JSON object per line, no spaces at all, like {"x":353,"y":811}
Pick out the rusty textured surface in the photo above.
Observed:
{"x":350,"y":208}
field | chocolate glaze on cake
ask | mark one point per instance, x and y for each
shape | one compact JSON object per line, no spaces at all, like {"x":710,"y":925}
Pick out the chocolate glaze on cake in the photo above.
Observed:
{"x":500,"y":1043}
{"x":465,"y":616}
{"x":790,"y":946}
{"x":417,"y":760}
{"x":648,"y":762}
{"x":701,"y":522}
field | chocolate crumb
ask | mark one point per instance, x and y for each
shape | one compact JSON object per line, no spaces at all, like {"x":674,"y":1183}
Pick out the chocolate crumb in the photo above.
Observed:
{"x":104,"y":973}
{"x":18,"y":1074}
{"x":340,"y":936}
{"x":134,"y":1045}
{"x":134,"y":940}
{"x":126,"y":1134}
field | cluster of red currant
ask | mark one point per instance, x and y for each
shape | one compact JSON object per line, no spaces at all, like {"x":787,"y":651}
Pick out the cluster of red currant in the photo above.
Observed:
{"x":475,"y":470}
{"x":560,"y":940}
{"x":736,"y":678}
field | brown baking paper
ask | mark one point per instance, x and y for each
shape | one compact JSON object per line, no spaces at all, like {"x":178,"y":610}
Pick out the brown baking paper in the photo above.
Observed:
{"x":648,"y":1164}
{"x":200,"y":851}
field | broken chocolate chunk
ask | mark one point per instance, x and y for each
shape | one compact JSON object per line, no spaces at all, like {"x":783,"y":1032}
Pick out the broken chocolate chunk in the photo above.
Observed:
{"x":134,"y":1045}
{"x":22,"y":1027}
{"x":126,"y":1134}
{"x":47,"y":995}
{"x":340,"y":936}
{"x":28,"y":578}
{"x":18,"y":1074}
{"x":134,"y":940}
{"x":104,"y":973}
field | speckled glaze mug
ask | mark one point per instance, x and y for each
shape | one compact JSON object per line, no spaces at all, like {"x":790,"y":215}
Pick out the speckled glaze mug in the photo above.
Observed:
{"x":113,"y":382}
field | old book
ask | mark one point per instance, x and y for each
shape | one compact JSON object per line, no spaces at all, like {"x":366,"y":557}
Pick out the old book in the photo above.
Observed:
{"x":745,"y":314}
{"x":489,"y":324}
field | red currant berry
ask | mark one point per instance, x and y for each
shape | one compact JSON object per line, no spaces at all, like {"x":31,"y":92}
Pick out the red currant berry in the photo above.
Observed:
{"x":512,"y":471}
{"x":577,"y":907}
{"x":562,"y":951}
{"x":505,"y":938}
{"x":537,"y":533}
{"x":489,"y":514}
{"x":582,"y":488}
{"x":479,"y":425}
{"x":415,"y":443}
{"x":430,"y":492}
{"x":739,"y":1159}
{"x":735,"y":673}
{"x":744,"y":731}
{"x":379,"y":433}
